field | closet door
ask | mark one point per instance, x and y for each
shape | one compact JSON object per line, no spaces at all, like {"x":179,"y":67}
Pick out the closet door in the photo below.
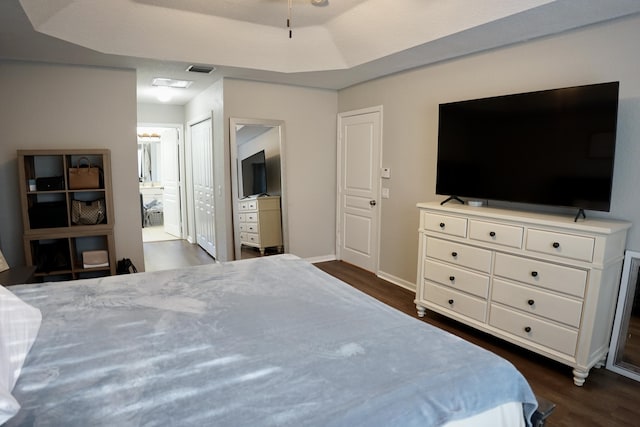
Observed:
{"x":203,"y":186}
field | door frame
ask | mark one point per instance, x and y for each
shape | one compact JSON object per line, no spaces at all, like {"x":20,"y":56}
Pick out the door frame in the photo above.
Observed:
{"x":339,"y":211}
{"x":182,"y":170}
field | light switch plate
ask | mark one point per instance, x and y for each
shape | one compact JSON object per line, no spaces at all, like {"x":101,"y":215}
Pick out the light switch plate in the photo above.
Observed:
{"x":386,"y":172}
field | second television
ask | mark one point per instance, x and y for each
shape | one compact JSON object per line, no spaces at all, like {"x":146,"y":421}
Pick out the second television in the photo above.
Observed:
{"x":254,"y":175}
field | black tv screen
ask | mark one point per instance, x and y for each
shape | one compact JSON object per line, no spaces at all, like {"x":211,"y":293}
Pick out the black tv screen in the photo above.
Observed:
{"x":553,"y":147}
{"x":254,"y":175}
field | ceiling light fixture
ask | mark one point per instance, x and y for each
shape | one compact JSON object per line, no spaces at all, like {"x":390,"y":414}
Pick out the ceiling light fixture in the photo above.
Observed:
{"x":165,"y":82}
{"x":164,"y":93}
{"x":289,"y":20}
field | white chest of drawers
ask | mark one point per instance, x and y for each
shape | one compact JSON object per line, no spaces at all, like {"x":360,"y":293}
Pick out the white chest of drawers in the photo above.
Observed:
{"x":260,"y":222}
{"x":543,"y":282}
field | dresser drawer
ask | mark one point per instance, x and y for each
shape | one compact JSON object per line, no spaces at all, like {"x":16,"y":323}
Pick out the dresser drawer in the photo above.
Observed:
{"x":456,"y":253}
{"x":252,"y":238}
{"x":535,"y":330}
{"x":252,"y":205}
{"x":243,"y":206}
{"x":242,"y":227}
{"x":500,"y":234}
{"x":540,"y":303}
{"x":562,"y":245}
{"x":252,"y":217}
{"x":242,"y":217}
{"x":455,"y":301}
{"x":457,"y":278}
{"x":243,"y":236}
{"x":445,"y":224}
{"x":539,"y":273}
{"x":252,"y":227}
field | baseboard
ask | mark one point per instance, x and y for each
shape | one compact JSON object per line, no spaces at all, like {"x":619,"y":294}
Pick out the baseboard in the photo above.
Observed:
{"x":397,"y":281}
{"x":323,"y":258}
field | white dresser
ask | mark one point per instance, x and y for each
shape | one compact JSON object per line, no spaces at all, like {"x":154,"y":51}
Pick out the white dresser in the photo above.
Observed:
{"x":260,"y":222}
{"x":543,"y":282}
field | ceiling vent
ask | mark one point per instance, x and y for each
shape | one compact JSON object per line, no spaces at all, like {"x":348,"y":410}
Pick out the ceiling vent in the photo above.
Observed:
{"x":203,"y":69}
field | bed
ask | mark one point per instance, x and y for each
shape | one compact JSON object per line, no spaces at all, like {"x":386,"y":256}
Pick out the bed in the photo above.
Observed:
{"x":268,"y":341}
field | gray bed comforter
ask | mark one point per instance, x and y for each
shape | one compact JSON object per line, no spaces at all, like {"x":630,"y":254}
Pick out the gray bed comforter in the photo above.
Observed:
{"x":271,"y":341}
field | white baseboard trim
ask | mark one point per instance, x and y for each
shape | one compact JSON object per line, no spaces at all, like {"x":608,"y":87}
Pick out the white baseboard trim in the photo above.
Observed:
{"x":323,"y":258}
{"x":397,"y":281}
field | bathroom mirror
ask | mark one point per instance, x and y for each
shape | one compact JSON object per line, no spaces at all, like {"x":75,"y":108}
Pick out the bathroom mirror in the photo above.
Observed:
{"x":624,"y":351}
{"x":258,"y":143}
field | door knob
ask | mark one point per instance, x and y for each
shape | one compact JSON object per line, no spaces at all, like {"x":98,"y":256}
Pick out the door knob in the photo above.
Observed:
{"x":372,"y":202}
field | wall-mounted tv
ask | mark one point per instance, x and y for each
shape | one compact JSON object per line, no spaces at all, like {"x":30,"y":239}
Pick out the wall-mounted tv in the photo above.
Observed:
{"x":254,"y":175}
{"x":552,"y":147}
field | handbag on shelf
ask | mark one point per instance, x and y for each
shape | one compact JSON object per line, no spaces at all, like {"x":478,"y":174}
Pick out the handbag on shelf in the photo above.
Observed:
{"x":87,"y":212}
{"x":84,"y":176}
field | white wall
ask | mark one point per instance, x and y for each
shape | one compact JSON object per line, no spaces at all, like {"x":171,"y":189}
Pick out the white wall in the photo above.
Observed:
{"x":606,"y":52}
{"x":160,"y":113}
{"x":51,"y":106}
{"x":310,"y":155}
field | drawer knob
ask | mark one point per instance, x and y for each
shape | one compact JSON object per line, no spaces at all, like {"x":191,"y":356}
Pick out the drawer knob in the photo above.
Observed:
{"x":556,"y":245}
{"x":451,"y":302}
{"x":452,"y":278}
{"x":534,"y":274}
{"x":492,"y":233}
{"x":442,"y":225}
{"x":527,"y":329}
{"x":454,"y":254}
{"x":531,"y":302}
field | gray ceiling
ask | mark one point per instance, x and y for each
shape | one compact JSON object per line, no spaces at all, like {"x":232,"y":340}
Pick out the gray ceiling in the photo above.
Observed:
{"x":19,"y":41}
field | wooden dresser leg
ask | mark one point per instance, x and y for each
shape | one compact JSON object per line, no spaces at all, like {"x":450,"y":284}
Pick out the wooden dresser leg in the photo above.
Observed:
{"x":579,"y":376}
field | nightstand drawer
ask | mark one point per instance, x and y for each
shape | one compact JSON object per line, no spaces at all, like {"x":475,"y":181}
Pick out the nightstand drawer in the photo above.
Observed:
{"x":535,"y":330}
{"x":451,"y":225}
{"x":456,"y":301}
{"x":500,"y":234}
{"x":558,"y":278}
{"x":539,"y":303}
{"x":456,"y":253}
{"x":562,"y":245}
{"x":457,"y":278}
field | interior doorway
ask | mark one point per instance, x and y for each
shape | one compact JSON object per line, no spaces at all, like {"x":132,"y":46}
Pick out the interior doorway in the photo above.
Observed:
{"x":161,"y":178}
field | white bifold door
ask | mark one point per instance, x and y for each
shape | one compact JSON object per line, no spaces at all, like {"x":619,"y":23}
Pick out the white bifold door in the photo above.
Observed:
{"x":203,"y":185}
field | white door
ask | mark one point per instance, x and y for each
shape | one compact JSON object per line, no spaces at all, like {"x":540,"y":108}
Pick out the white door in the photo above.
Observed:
{"x":170,"y":181}
{"x":359,"y":144}
{"x":203,"y":187}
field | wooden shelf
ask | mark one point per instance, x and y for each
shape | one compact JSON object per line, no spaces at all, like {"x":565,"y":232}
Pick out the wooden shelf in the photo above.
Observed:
{"x":53,"y":243}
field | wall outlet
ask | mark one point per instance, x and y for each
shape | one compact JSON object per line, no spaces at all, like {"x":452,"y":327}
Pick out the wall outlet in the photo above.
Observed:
{"x":385,"y":193}
{"x":386,"y":173}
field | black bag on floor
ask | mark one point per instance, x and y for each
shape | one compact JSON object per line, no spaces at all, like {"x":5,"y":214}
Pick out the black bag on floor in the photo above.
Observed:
{"x":125,"y":266}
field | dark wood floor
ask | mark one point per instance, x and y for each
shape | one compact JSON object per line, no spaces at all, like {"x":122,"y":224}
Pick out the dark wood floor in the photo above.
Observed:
{"x":607,"y":399}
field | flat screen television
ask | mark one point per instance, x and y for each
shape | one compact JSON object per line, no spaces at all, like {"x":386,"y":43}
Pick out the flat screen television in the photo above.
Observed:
{"x":552,"y":147}
{"x":254,"y":175}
